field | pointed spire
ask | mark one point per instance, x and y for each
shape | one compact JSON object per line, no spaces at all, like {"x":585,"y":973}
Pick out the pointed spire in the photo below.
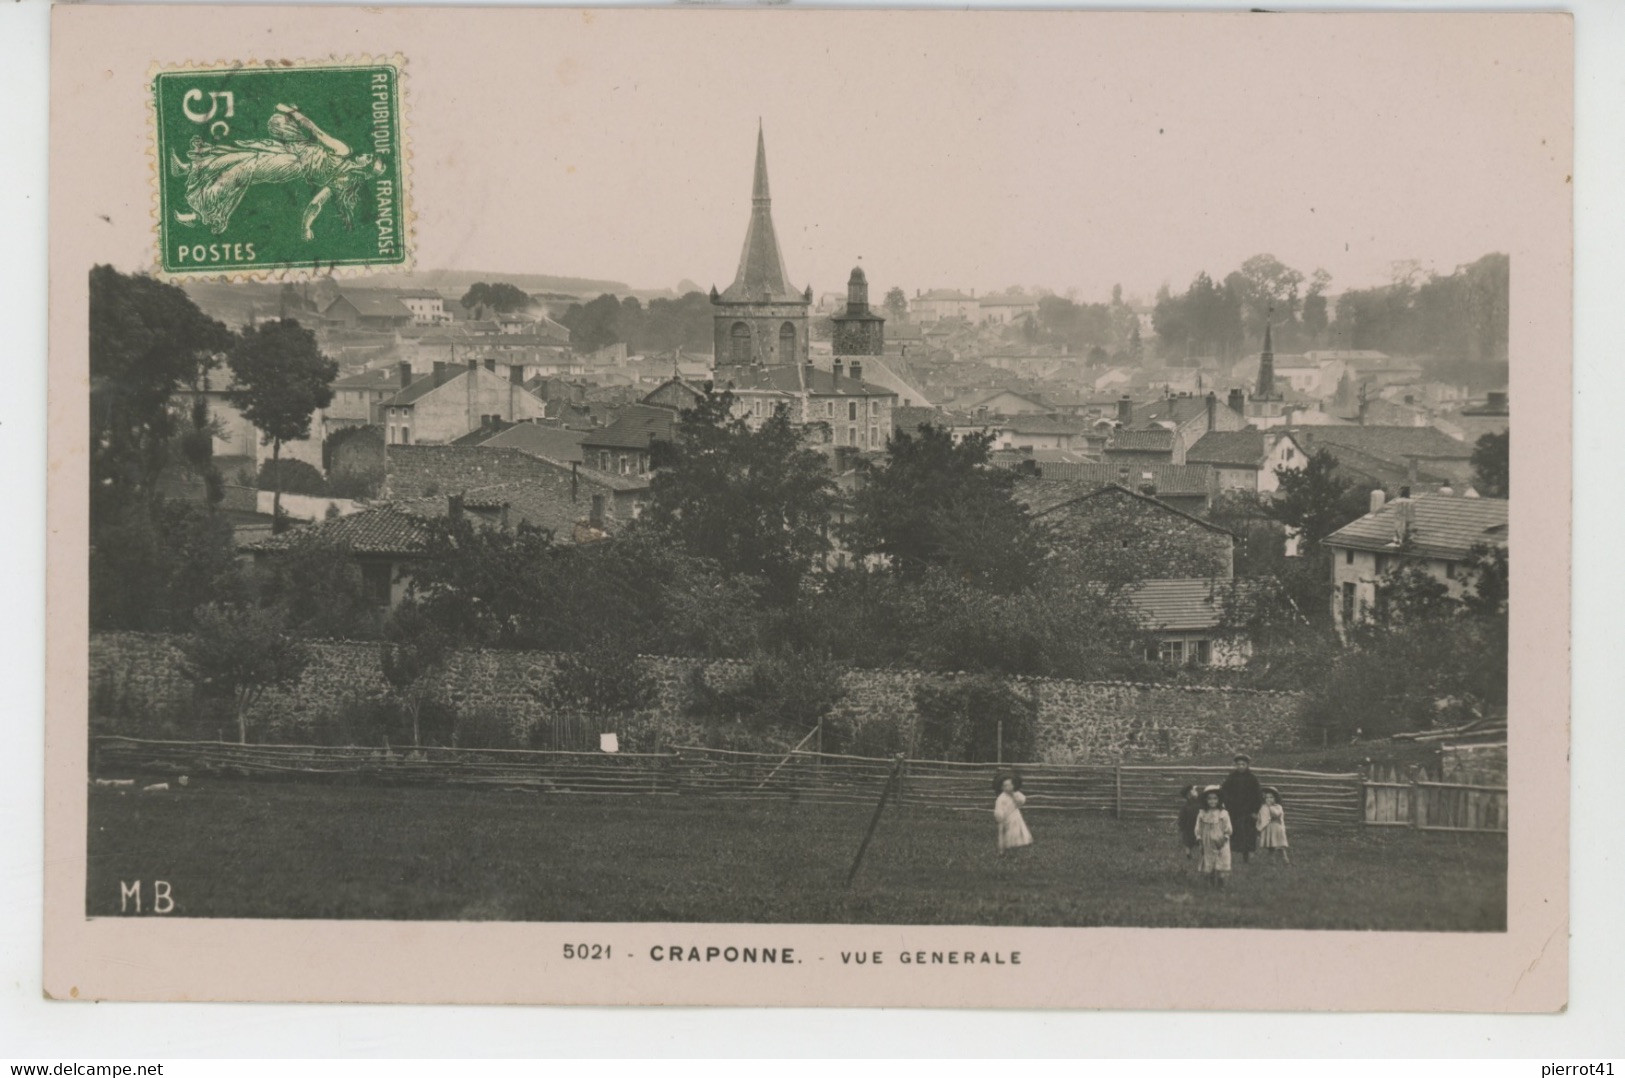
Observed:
{"x":762,"y":277}
{"x":1268,"y":349}
{"x":759,"y":192}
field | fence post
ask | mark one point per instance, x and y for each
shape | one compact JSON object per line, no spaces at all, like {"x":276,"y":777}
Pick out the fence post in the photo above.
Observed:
{"x":1117,"y":809}
{"x":1416,"y":806}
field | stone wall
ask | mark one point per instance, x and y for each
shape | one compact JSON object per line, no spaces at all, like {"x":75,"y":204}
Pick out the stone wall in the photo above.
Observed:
{"x":134,"y":677}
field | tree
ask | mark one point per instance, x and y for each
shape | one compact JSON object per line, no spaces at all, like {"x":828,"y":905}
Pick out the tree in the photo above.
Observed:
{"x":603,"y":682}
{"x":757,"y":502}
{"x":281,"y":378}
{"x":935,"y":502}
{"x":240,"y":652}
{"x":1492,"y":465}
{"x":317,"y":585}
{"x":148,"y":340}
{"x":413,"y":653}
{"x":153,"y":563}
{"x":501,"y":297}
{"x":896,"y":305}
{"x":1314,"y":501}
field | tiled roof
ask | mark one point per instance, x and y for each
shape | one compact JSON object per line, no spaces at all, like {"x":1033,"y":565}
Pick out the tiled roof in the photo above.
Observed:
{"x":1155,"y":439}
{"x":1173,"y":479}
{"x":1441,"y":525}
{"x":913,"y":418}
{"x":787,"y":380}
{"x":1118,"y":488}
{"x":373,"y":303}
{"x":418,"y":293}
{"x":1174,"y":605}
{"x":386,"y":530}
{"x":422,"y":387}
{"x":1047,"y":424}
{"x":944,"y":293}
{"x":558,"y":443}
{"x":548,"y":505}
{"x":1235,"y":448}
{"x":1395,"y":444}
{"x":635,"y":427}
{"x":377,"y":378}
{"x":1178,"y":409}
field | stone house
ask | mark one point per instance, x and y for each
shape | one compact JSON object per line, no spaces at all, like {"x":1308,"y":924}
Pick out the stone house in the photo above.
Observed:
{"x":836,"y":407}
{"x":1247,"y":459}
{"x":624,"y":446}
{"x":1117,"y":535}
{"x":364,"y":308}
{"x":1152,"y":445}
{"x":1184,"y":621}
{"x":453,"y":400}
{"x":356,"y":397}
{"x":1434,"y":531}
{"x":1188,"y":487}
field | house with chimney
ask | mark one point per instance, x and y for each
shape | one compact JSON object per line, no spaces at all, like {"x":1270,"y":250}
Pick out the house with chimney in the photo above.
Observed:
{"x":356,"y":397}
{"x":452,"y":400}
{"x":1117,"y":535}
{"x":1437,"y":532}
{"x":626,"y":445}
{"x":1420,"y":458}
{"x":1247,"y":460}
{"x":1149,"y":445}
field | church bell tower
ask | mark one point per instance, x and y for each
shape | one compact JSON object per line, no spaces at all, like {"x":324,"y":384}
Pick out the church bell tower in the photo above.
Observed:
{"x":760,"y":320}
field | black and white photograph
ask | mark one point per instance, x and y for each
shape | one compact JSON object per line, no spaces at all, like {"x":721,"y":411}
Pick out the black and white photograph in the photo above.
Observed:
{"x":831,"y":469}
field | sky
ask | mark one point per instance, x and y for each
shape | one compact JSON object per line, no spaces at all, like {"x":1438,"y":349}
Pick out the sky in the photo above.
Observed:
{"x":952,"y":149}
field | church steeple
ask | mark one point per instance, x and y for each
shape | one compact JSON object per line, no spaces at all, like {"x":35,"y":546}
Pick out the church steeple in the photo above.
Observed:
{"x":1266,"y":367}
{"x":760,"y":319}
{"x":761,"y":277}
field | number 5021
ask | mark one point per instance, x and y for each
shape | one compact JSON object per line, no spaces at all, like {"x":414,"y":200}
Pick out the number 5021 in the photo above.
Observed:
{"x":586,"y":950}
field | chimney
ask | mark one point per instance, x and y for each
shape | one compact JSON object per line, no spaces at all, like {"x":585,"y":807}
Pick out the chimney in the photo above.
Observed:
{"x":439,"y":370}
{"x":473,"y":365}
{"x":491,"y":365}
{"x":839,"y":366}
{"x":1212,"y":412}
{"x":1238,"y":402}
{"x":857,"y":371}
{"x":1266,"y":368}
{"x":597,"y":517}
{"x":405,"y":368}
{"x":516,"y":374}
{"x":1125,"y":410}
{"x":1378,"y":497}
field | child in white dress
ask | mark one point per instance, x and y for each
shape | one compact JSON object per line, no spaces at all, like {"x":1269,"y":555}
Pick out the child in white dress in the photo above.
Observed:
{"x":1013,"y":833}
{"x":1213,"y":832}
{"x":1272,"y":824}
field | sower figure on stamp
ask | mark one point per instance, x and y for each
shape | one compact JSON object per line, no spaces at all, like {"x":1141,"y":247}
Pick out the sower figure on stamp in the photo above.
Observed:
{"x":217,"y":177}
{"x":1242,"y":796}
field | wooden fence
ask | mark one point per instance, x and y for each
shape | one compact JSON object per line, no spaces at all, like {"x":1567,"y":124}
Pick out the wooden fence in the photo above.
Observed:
{"x":1129,"y":791}
{"x":1436,"y":806}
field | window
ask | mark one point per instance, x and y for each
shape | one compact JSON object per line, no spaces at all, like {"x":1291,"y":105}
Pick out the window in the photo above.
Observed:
{"x":392,"y":434}
{"x":851,"y":436}
{"x":787,"y":343}
{"x":375,"y":581}
{"x":1199,"y":652}
{"x":1348,"y":557}
{"x":874,"y":407}
{"x":851,"y":410}
{"x":829,"y":407}
{"x":1450,"y":570}
{"x":1382,"y":564}
{"x":406,"y":435}
{"x":874,"y":436}
{"x":622,"y":465}
{"x":739,"y":343}
{"x":1348,"y":603}
{"x":1171,"y":651}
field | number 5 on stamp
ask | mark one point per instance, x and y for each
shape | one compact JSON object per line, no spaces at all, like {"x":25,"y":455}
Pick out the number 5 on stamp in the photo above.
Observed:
{"x":275,"y":168}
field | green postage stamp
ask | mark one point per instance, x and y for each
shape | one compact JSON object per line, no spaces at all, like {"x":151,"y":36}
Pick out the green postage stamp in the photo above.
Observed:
{"x":272,"y":168}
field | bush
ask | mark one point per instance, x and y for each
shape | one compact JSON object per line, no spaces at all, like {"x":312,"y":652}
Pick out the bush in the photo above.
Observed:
{"x":297,"y":477}
{"x":976,"y":719}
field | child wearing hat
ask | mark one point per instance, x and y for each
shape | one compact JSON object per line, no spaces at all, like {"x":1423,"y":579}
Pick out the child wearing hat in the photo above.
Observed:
{"x":1013,"y":833}
{"x":1187,"y":819}
{"x":1213,"y":831}
{"x":1272,"y":824}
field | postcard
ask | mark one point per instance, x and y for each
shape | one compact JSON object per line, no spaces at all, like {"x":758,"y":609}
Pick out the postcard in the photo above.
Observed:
{"x":790,"y":507}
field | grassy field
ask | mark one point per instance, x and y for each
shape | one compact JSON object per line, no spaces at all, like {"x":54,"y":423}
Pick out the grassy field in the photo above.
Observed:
{"x":243,"y":849}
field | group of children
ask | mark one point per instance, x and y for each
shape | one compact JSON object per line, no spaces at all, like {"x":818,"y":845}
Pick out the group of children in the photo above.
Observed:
{"x":1205,"y":826}
{"x":1206,"y":829}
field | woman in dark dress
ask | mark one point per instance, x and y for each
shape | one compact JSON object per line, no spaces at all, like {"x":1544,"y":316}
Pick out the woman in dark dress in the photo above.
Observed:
{"x":1243,"y":795}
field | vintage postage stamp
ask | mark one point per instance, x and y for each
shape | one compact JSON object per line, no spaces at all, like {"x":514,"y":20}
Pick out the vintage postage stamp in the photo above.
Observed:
{"x":280,"y":166}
